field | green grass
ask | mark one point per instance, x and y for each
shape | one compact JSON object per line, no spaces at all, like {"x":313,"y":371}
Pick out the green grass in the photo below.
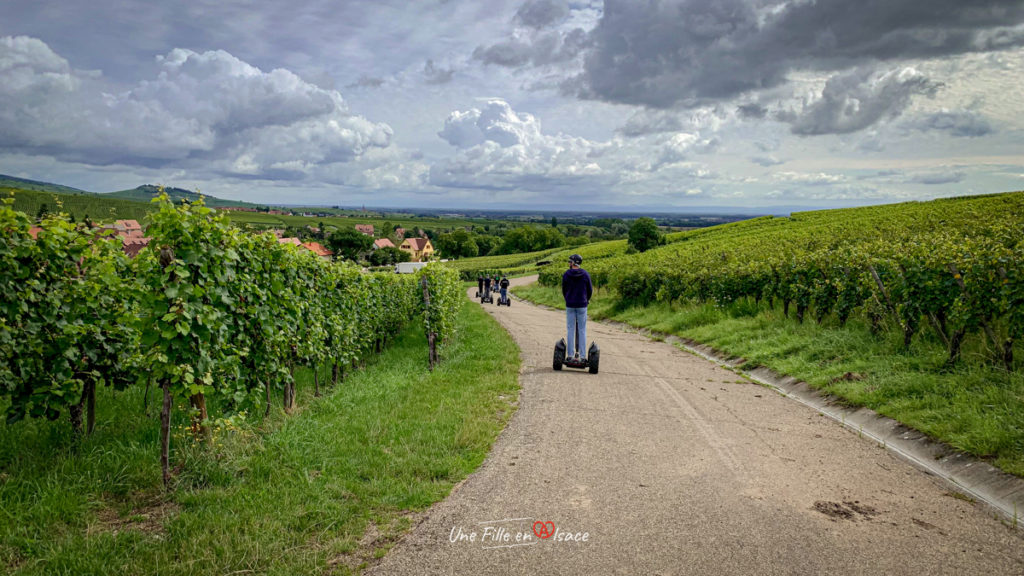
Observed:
{"x":973,"y":407}
{"x":290,"y":495}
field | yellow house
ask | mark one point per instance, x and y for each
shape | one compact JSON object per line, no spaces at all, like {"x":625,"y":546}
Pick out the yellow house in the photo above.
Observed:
{"x":419,"y":248}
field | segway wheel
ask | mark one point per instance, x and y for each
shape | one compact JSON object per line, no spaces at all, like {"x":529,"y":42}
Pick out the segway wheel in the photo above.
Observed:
{"x":593,"y":358}
{"x":559,"y":355}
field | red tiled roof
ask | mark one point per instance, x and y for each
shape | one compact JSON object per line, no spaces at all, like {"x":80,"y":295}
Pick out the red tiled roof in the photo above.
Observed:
{"x":133,"y":245}
{"x":417,"y":243}
{"x":34,"y":232}
{"x":365,"y":229}
{"x":317,"y":248}
{"x":292,"y":241}
{"x":127,"y":225}
{"x":383,"y":243}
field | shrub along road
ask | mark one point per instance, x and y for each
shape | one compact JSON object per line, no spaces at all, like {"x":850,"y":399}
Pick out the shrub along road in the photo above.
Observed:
{"x":665,"y":463}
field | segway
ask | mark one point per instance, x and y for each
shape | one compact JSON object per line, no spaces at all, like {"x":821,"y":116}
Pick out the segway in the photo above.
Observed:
{"x":486,"y":298}
{"x":593,"y":357}
{"x":506,"y":301}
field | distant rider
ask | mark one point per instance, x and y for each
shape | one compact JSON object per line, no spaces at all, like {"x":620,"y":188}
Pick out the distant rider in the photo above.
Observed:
{"x":480,"y":283}
{"x":504,"y":288}
{"x":577,"y":290}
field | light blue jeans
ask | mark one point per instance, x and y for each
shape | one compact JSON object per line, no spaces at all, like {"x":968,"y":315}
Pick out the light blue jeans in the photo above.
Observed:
{"x":576,"y":318}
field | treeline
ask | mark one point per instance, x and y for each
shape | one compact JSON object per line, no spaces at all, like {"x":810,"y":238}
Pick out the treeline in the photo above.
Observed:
{"x":205,"y":311}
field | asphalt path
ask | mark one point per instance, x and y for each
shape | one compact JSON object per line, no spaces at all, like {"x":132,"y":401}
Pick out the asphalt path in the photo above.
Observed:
{"x":665,"y":463}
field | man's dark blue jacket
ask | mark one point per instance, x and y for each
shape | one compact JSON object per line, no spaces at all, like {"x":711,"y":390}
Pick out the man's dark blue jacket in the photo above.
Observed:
{"x":576,"y":288}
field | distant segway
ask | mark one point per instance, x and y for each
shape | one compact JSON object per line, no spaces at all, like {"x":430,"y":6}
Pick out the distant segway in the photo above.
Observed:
{"x":591,"y":363}
{"x":487,"y":298}
{"x":506,"y":301}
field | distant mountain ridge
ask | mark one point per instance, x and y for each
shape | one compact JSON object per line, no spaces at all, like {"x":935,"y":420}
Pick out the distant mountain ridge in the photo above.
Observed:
{"x":143,"y":193}
{"x":147,"y":192}
{"x":26,"y":184}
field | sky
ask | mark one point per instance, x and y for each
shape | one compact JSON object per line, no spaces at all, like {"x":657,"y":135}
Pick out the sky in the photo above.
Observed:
{"x":656,"y":105}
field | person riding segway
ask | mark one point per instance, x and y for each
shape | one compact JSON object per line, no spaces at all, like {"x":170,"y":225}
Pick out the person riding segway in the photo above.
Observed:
{"x":504,"y":300}
{"x":485,"y":297}
{"x":577,"y":289}
{"x":479,"y":285}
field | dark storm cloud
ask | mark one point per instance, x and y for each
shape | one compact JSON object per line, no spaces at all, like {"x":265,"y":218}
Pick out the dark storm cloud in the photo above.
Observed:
{"x":686,"y":52}
{"x":542,"y":13}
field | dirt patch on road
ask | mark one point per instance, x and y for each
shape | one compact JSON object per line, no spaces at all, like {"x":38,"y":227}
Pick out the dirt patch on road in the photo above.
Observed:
{"x":846,"y":510}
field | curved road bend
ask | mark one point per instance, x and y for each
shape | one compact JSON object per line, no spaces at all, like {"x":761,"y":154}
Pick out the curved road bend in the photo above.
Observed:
{"x":673,"y":465}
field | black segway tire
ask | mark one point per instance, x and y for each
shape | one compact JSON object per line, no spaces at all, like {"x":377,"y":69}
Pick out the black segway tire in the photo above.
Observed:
{"x":559,"y":355}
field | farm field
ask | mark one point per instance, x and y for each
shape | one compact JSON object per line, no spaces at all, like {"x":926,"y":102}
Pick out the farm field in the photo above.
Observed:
{"x":913,"y":310}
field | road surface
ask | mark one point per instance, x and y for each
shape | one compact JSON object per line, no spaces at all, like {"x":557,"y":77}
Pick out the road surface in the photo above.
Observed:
{"x":665,"y":463}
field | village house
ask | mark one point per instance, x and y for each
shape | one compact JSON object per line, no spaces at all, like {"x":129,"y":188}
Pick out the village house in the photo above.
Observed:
{"x":318,"y":249}
{"x":419,"y":248}
{"x":382,"y":243}
{"x":365,"y":229}
{"x":400,"y":232}
{"x":128,"y":228}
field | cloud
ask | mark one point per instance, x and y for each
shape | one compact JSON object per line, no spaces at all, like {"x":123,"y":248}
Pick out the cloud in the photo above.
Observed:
{"x":679,"y":147}
{"x":752,"y":111}
{"x":646,"y":122}
{"x":936,"y":178}
{"x":205,"y":109}
{"x":808,"y":179}
{"x":366,"y":82}
{"x":690,"y":52}
{"x":959,"y":123}
{"x":536,"y":48}
{"x":542,"y":13}
{"x":435,"y":74}
{"x":854,"y":100}
{"x":766,"y":161}
{"x":499,"y":148}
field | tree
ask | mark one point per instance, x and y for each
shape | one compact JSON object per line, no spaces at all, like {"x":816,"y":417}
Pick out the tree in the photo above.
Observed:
{"x":348,"y":244}
{"x":486,"y":244}
{"x":644,"y":234}
{"x":531,"y":239}
{"x":388,"y":255}
{"x":457,"y":244}
{"x":43,"y":211}
{"x":554,"y":222}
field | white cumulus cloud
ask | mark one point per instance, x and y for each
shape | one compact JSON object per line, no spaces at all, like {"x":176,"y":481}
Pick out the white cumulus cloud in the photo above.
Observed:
{"x":210,"y":109}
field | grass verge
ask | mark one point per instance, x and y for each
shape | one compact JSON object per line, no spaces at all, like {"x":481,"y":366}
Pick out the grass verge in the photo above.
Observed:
{"x":973,"y":407}
{"x":325,"y":490}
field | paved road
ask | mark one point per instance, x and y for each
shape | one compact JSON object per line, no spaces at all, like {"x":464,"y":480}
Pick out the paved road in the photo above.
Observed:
{"x":673,"y":465}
